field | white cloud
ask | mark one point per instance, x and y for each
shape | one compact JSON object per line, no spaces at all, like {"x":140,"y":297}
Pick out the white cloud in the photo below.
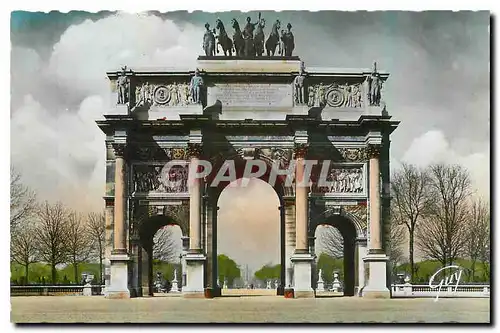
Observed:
{"x":433,"y":147}
{"x":56,"y":143}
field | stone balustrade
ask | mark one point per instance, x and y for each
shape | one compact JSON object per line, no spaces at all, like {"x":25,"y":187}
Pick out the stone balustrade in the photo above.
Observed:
{"x":424,"y":290}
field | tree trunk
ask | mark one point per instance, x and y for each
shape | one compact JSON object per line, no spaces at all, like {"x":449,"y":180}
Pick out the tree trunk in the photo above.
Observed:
{"x":473,"y":269}
{"x":26,"y":272}
{"x":412,"y":263}
{"x":54,"y":272}
{"x":100,"y":270}
{"x":75,"y":271}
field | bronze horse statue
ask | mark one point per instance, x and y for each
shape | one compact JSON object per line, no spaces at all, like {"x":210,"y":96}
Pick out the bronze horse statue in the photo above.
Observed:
{"x":238,"y":42}
{"x":259,"y":38}
{"x":273,"y":39}
{"x":223,"y":40}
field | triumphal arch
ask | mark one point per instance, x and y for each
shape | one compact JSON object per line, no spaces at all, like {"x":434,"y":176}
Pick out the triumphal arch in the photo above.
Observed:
{"x":229,"y":112}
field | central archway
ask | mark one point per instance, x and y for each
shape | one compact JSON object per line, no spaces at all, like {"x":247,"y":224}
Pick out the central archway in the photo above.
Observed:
{"x":268,"y":204}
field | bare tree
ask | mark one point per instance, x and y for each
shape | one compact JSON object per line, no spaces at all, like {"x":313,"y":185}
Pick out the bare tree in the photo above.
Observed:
{"x":165,"y":246}
{"x":180,"y":214}
{"x":22,"y":200}
{"x":96,"y":229}
{"x":478,"y":236}
{"x":23,"y":248}
{"x":78,"y":241}
{"x":442,"y":234}
{"x":330,"y":241}
{"x":485,"y":259}
{"x":395,"y":244}
{"x":51,"y":233}
{"x":410,"y":187}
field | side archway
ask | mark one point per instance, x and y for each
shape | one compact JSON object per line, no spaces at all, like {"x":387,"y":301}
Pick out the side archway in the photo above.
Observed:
{"x":146,"y":225}
{"x":348,"y":230}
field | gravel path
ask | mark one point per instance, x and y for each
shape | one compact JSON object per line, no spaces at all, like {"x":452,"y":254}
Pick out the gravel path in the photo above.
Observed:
{"x":262,"y":309}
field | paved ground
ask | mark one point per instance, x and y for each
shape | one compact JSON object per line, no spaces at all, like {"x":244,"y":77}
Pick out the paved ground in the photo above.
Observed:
{"x":262,"y":309}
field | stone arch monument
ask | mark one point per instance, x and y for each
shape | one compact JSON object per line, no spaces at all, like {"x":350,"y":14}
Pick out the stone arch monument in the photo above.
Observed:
{"x":247,"y":109}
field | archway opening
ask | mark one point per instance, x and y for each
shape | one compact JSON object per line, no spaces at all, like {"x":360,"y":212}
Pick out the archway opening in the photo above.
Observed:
{"x":335,"y":257}
{"x":249,"y":239}
{"x":161,"y":262}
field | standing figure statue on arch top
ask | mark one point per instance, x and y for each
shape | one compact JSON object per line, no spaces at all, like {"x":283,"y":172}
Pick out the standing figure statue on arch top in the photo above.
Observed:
{"x":299,"y":86}
{"x":374,"y":86}
{"x":248,"y":37}
{"x":209,"y":41}
{"x":288,"y":41}
{"x":196,"y":86}
{"x":259,"y":37}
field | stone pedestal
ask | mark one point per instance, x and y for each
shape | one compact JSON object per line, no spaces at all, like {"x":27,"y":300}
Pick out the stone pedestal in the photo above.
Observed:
{"x":87,"y":290}
{"x":302,"y":275}
{"x":336,"y":286}
{"x":117,"y":110}
{"x":107,"y":275}
{"x":376,"y":285}
{"x":195,"y":263}
{"x":321,"y":283}
{"x":119,"y":277}
{"x":175,"y":287}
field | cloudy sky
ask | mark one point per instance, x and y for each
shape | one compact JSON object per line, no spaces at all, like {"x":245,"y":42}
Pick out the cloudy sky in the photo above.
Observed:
{"x":438,"y":89}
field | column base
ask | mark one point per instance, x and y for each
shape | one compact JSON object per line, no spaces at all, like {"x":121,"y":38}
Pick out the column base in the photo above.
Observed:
{"x":376,"y":294}
{"x":118,"y":286}
{"x":302,"y":275}
{"x":376,"y":286}
{"x":193,"y":294}
{"x":304,"y":294}
{"x":195,"y":265}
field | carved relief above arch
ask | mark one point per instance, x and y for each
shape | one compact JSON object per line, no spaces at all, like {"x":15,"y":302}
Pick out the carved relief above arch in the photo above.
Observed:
{"x":357,"y":214}
{"x":142,"y":213}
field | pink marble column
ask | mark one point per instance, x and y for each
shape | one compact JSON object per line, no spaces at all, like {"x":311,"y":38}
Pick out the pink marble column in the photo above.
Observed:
{"x":301,"y":202}
{"x":194,"y":200}
{"x":374,"y":192}
{"x":119,"y":241}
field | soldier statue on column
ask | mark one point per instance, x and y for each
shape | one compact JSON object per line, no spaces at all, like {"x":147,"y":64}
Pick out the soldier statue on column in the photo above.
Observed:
{"x":195,"y":87}
{"x":374,"y":86}
{"x":299,"y":86}
{"x":123,"y":84}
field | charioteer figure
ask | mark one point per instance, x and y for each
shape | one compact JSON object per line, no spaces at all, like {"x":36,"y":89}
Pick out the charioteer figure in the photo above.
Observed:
{"x":248,"y":37}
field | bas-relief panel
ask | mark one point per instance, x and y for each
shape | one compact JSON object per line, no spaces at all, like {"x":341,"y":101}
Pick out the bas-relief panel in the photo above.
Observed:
{"x":156,"y":178}
{"x":342,"y":179}
{"x":335,"y":95}
{"x":173,"y":94}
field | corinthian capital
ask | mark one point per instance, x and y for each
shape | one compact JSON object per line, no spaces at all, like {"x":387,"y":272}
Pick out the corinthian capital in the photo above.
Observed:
{"x":119,"y":149}
{"x":194,"y":149}
{"x":300,"y":150}
{"x":373,"y":151}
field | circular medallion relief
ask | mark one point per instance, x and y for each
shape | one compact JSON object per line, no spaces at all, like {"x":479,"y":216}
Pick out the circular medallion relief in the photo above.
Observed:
{"x":161,"y":95}
{"x":173,"y":178}
{"x":335,"y":97}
